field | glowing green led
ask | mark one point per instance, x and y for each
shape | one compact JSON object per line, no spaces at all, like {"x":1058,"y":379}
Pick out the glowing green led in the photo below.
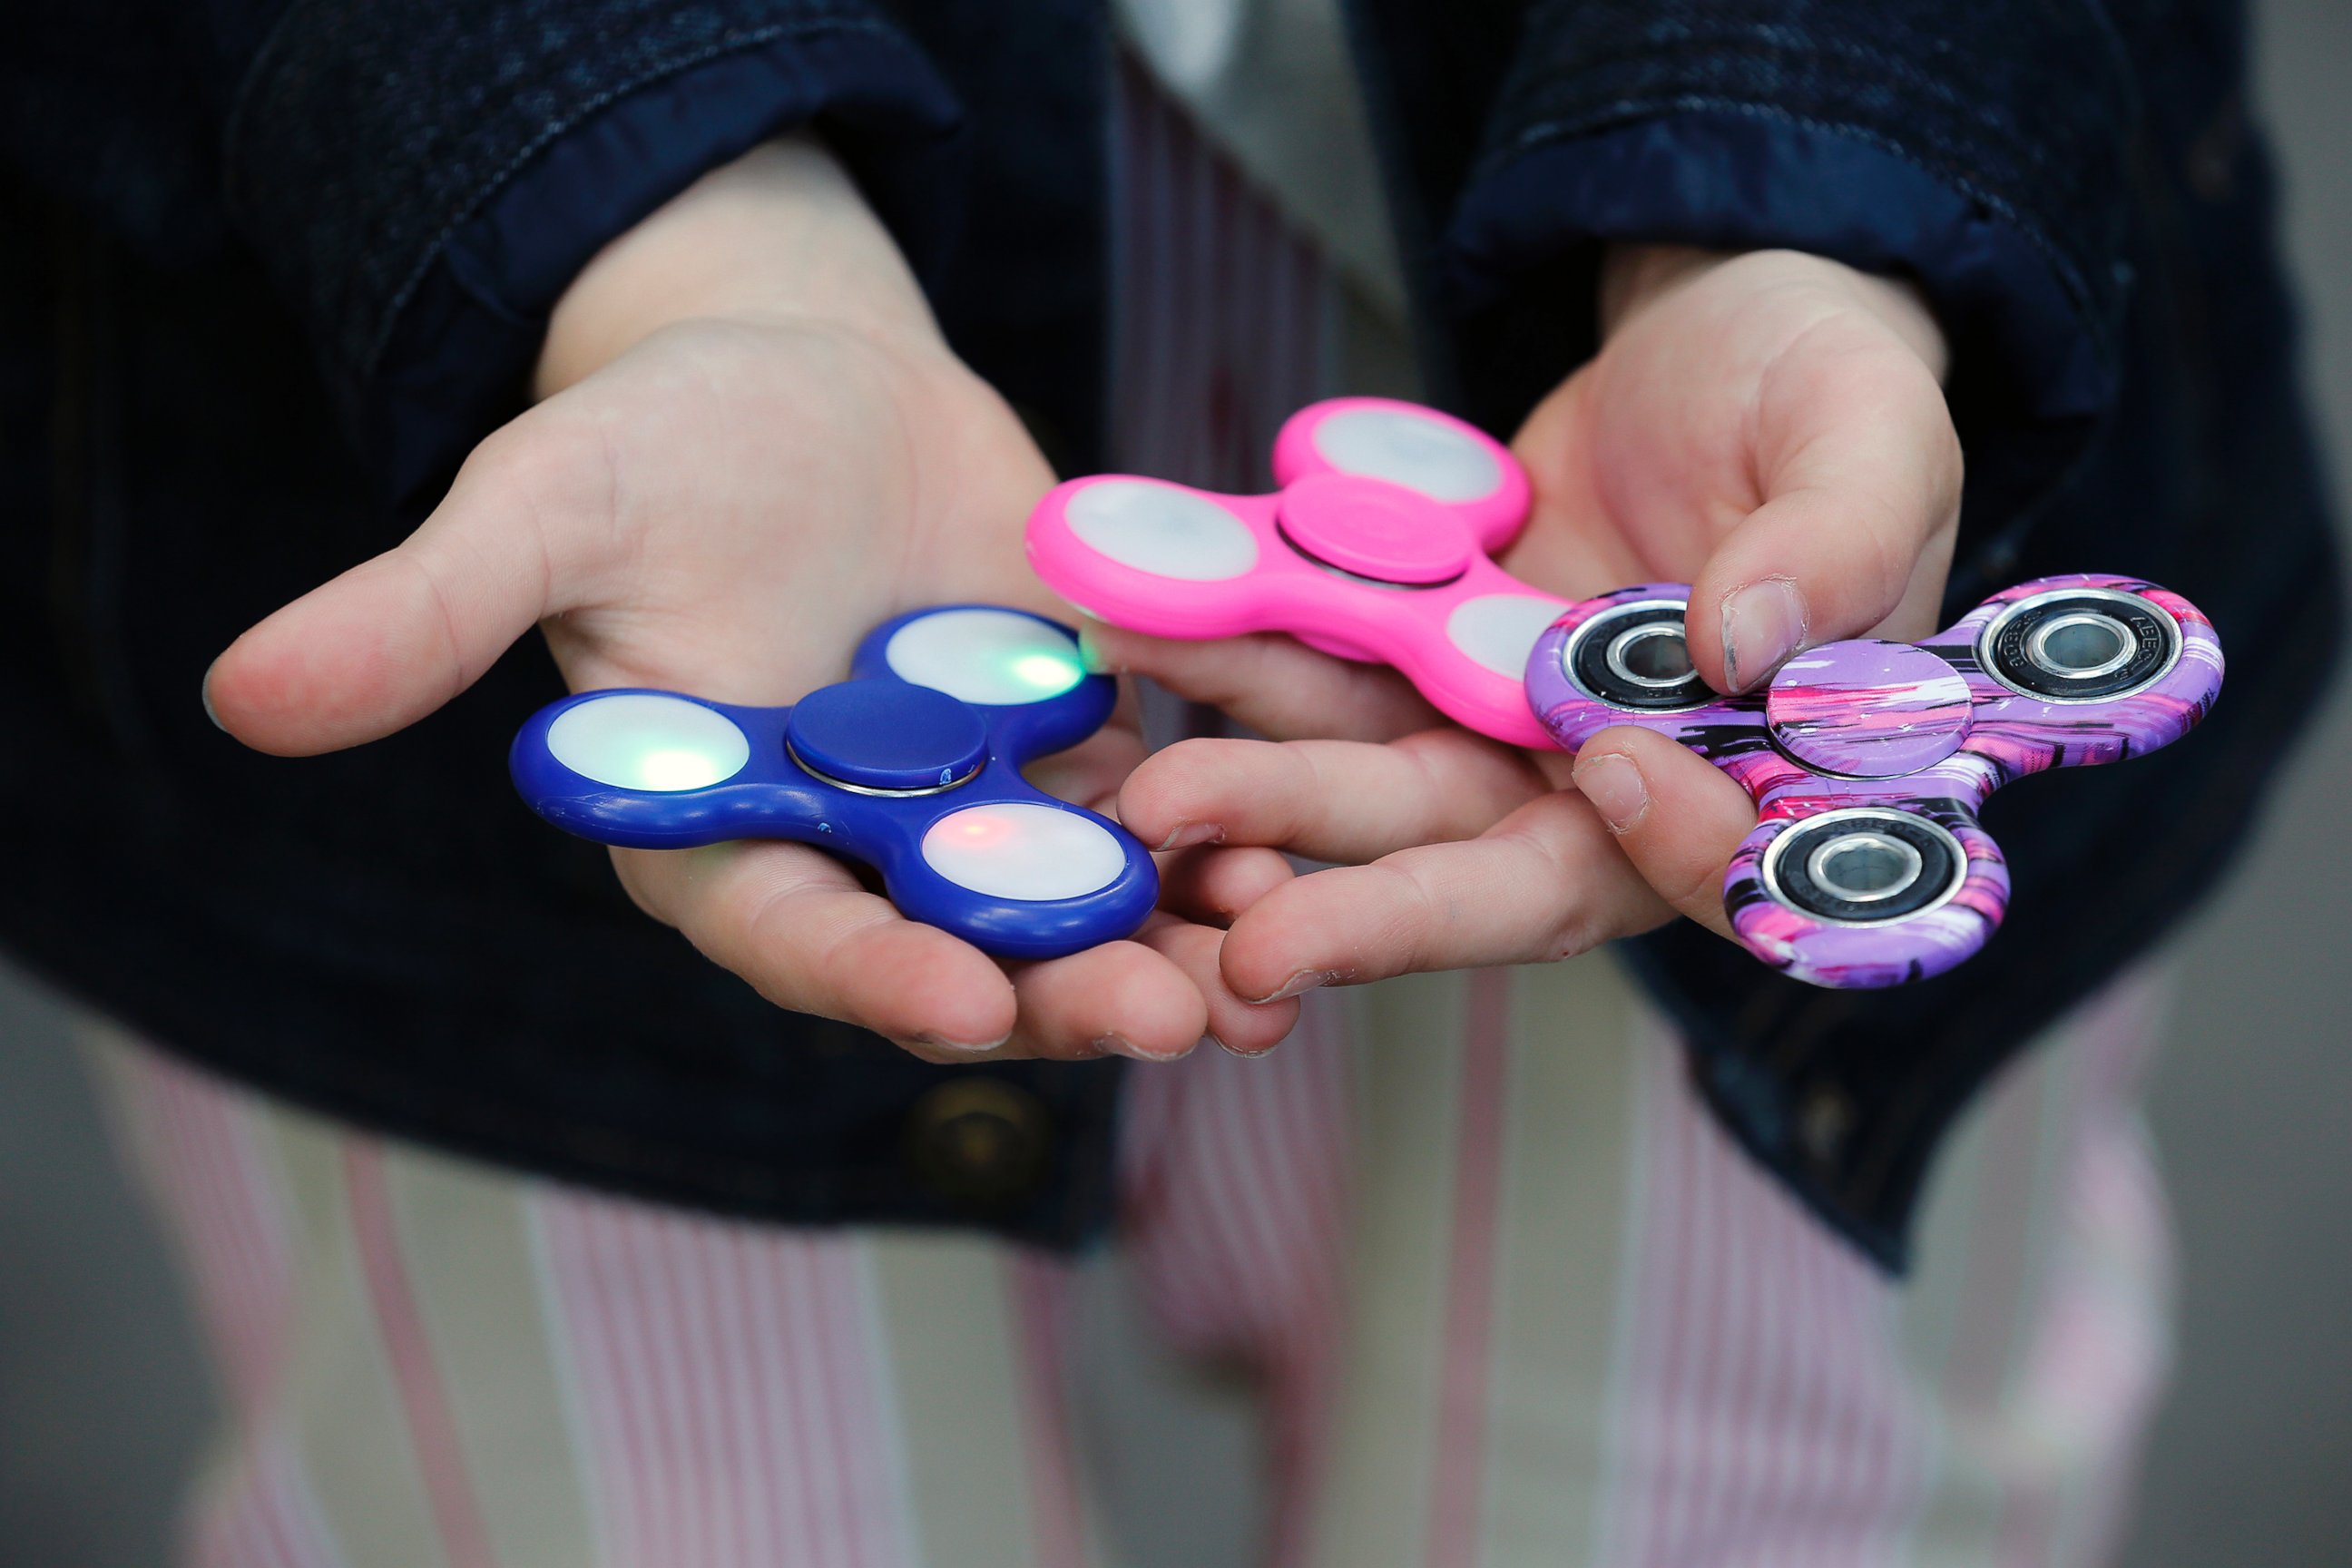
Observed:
{"x":980,"y":655}
{"x":1049,"y":673}
{"x":648,"y":740}
{"x":672,"y":769}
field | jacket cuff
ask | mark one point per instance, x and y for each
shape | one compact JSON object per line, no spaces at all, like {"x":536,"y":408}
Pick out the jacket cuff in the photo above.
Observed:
{"x":2031,"y":371}
{"x":426,"y":179}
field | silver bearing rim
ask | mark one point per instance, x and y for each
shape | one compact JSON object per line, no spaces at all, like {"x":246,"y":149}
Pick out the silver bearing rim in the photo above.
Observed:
{"x":1774,"y":852}
{"x":1626,"y":641}
{"x":1990,"y":638}
{"x":1577,"y":639}
{"x":1818,"y":865}
{"x":823,"y":777}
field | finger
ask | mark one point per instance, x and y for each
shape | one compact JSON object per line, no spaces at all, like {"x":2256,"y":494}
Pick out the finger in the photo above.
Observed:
{"x":1213,"y":886}
{"x":1548,"y":881}
{"x":1678,"y":820}
{"x":1327,"y":800}
{"x":1235,"y":1025}
{"x":1860,"y":470}
{"x":393,"y":639}
{"x":795,"y":925}
{"x":1119,"y":999}
{"x":1276,"y":685}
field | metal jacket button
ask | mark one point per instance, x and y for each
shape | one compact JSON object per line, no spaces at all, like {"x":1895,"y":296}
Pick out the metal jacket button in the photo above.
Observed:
{"x":979,"y":1141}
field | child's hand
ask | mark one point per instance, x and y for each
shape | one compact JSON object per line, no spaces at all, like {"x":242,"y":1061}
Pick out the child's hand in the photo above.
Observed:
{"x":752,"y":446}
{"x":1769,"y":427}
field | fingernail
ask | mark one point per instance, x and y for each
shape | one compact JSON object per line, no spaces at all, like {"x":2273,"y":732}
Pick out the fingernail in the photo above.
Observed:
{"x":204,"y":693}
{"x":1188,"y":834}
{"x":1090,"y":653}
{"x":963,"y":1048}
{"x":1614,"y":785}
{"x":1237,"y":1051}
{"x":1763,"y":624}
{"x":1118,"y":1045}
{"x":1304,"y":980}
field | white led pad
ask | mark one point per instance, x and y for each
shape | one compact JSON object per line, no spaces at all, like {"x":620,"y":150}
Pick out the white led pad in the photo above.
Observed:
{"x":1408,"y":449}
{"x":1499,"y":630}
{"x":1017,"y":850}
{"x":1160,"y":529}
{"x":638,"y":740}
{"x":985,"y":656}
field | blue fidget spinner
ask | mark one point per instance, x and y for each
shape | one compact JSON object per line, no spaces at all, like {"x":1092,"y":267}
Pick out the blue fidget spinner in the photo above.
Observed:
{"x":912,"y":765}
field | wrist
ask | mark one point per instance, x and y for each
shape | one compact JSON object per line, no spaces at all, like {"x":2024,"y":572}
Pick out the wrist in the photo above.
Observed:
{"x":780,"y":234}
{"x":1634,"y":278}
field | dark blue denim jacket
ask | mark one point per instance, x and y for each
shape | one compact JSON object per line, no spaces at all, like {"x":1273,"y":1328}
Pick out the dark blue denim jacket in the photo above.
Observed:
{"x":211,"y":209}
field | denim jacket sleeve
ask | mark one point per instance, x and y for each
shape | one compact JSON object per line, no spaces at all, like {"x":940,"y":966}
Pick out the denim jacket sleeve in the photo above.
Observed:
{"x":423,"y":179}
{"x":1980,"y":150}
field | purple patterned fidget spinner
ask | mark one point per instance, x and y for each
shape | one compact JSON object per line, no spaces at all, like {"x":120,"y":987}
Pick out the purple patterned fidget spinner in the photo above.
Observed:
{"x":1868,"y":760}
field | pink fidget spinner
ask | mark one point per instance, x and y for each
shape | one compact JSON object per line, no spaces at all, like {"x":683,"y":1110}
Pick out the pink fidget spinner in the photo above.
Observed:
{"x":1868,"y":760}
{"x":1376,"y":547}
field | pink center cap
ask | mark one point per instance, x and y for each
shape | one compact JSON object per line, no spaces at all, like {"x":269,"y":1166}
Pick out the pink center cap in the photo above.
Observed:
{"x":1868,"y":710}
{"x":1376,"y":529}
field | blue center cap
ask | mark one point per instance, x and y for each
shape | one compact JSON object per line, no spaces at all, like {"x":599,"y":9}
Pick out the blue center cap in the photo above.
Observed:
{"x":886,"y":734}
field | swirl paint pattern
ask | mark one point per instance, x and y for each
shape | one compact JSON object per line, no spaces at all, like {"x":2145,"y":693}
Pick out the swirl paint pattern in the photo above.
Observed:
{"x":1927,"y":732}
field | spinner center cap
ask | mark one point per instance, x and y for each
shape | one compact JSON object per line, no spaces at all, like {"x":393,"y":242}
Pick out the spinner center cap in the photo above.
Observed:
{"x":887,"y":735}
{"x":1376,"y":529}
{"x":1869,"y":709}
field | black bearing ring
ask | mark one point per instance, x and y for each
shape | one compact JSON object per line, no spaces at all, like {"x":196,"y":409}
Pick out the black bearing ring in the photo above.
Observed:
{"x":2019,"y":647}
{"x":1597,"y":659}
{"x":1800,"y":866}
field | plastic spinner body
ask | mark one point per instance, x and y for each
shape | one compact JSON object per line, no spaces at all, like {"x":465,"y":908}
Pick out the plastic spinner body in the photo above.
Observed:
{"x":912,"y":766}
{"x":1378,"y":547}
{"x":1868,"y":760}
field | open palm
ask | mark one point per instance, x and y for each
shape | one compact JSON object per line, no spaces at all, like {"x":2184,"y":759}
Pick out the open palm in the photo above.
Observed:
{"x":725,"y":506}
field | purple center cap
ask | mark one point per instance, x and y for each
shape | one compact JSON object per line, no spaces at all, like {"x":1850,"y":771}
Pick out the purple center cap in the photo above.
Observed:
{"x":1868,"y":710}
{"x":1376,"y":529}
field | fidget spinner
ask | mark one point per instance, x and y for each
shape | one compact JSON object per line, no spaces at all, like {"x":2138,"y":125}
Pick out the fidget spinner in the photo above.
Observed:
{"x":1376,"y":547}
{"x":1868,"y":760}
{"x":912,"y":765}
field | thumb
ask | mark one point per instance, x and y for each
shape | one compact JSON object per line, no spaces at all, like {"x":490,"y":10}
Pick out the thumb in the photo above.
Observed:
{"x":1860,"y":470}
{"x":389,"y":641}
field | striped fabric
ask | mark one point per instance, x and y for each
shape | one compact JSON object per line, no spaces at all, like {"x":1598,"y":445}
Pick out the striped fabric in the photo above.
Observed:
{"x":1497,"y":1290}
{"x":1227,"y":318}
{"x":1500,"y":1290}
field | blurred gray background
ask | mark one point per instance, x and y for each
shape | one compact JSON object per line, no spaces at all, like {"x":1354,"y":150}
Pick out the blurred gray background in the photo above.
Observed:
{"x":102,"y":1398}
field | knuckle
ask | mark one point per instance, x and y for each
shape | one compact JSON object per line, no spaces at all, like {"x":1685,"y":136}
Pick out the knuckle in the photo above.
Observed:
{"x":1312,"y":794}
{"x":1946,"y":465}
{"x":549,"y":465}
{"x":535,"y":458}
{"x":1564,"y":837}
{"x":839,"y":964}
{"x":740,"y":936}
{"x":1222,"y":674}
{"x":1413,"y":922}
{"x":1696,"y":889}
{"x":640,"y":881}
